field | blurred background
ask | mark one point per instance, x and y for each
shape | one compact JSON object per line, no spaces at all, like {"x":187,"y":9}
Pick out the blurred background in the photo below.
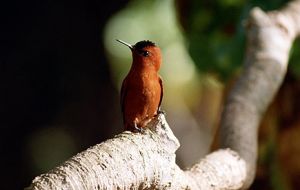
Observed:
{"x":61,"y":72}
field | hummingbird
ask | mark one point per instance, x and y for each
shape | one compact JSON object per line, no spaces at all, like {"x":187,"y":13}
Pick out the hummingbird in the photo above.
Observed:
{"x":142,"y":88}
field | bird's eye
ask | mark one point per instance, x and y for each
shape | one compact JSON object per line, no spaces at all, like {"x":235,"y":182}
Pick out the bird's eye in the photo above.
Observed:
{"x":144,"y":53}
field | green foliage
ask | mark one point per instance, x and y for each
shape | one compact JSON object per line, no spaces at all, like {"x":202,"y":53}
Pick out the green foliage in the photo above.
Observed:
{"x":294,"y":65}
{"x":215,"y":34}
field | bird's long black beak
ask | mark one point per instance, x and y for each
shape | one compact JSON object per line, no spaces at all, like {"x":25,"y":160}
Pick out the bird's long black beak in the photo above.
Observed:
{"x":125,"y":43}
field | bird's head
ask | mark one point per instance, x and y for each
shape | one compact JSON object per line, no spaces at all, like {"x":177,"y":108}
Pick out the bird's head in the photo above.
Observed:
{"x":145,"y":54}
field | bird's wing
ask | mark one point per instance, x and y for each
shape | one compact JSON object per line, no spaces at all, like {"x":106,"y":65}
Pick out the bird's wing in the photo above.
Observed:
{"x":123,"y":94}
{"x":162,"y":91}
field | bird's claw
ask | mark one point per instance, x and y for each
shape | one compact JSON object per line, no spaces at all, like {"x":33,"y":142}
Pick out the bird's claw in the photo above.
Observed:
{"x":160,"y":111}
{"x":138,"y":129}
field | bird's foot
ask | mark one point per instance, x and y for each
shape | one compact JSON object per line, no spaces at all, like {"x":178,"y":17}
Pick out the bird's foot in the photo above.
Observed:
{"x":160,"y":111}
{"x":137,"y":129}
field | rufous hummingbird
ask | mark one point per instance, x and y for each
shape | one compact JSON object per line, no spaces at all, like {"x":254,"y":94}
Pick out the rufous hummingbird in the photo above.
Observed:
{"x":142,"y":88}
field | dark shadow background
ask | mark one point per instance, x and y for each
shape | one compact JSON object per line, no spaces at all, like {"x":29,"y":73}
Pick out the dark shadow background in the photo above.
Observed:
{"x":53,"y":72}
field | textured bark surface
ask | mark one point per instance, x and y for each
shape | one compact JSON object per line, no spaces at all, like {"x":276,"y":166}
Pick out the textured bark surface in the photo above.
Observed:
{"x":147,"y":161}
{"x":143,"y":161}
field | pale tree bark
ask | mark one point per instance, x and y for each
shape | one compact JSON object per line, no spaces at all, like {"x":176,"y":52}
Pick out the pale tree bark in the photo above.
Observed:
{"x":143,"y":161}
{"x":269,"y":39}
{"x":147,"y":160}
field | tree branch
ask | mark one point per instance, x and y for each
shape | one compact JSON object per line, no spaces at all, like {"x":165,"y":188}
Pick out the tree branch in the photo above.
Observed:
{"x":147,"y":161}
{"x":143,"y":161}
{"x":269,"y":39}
